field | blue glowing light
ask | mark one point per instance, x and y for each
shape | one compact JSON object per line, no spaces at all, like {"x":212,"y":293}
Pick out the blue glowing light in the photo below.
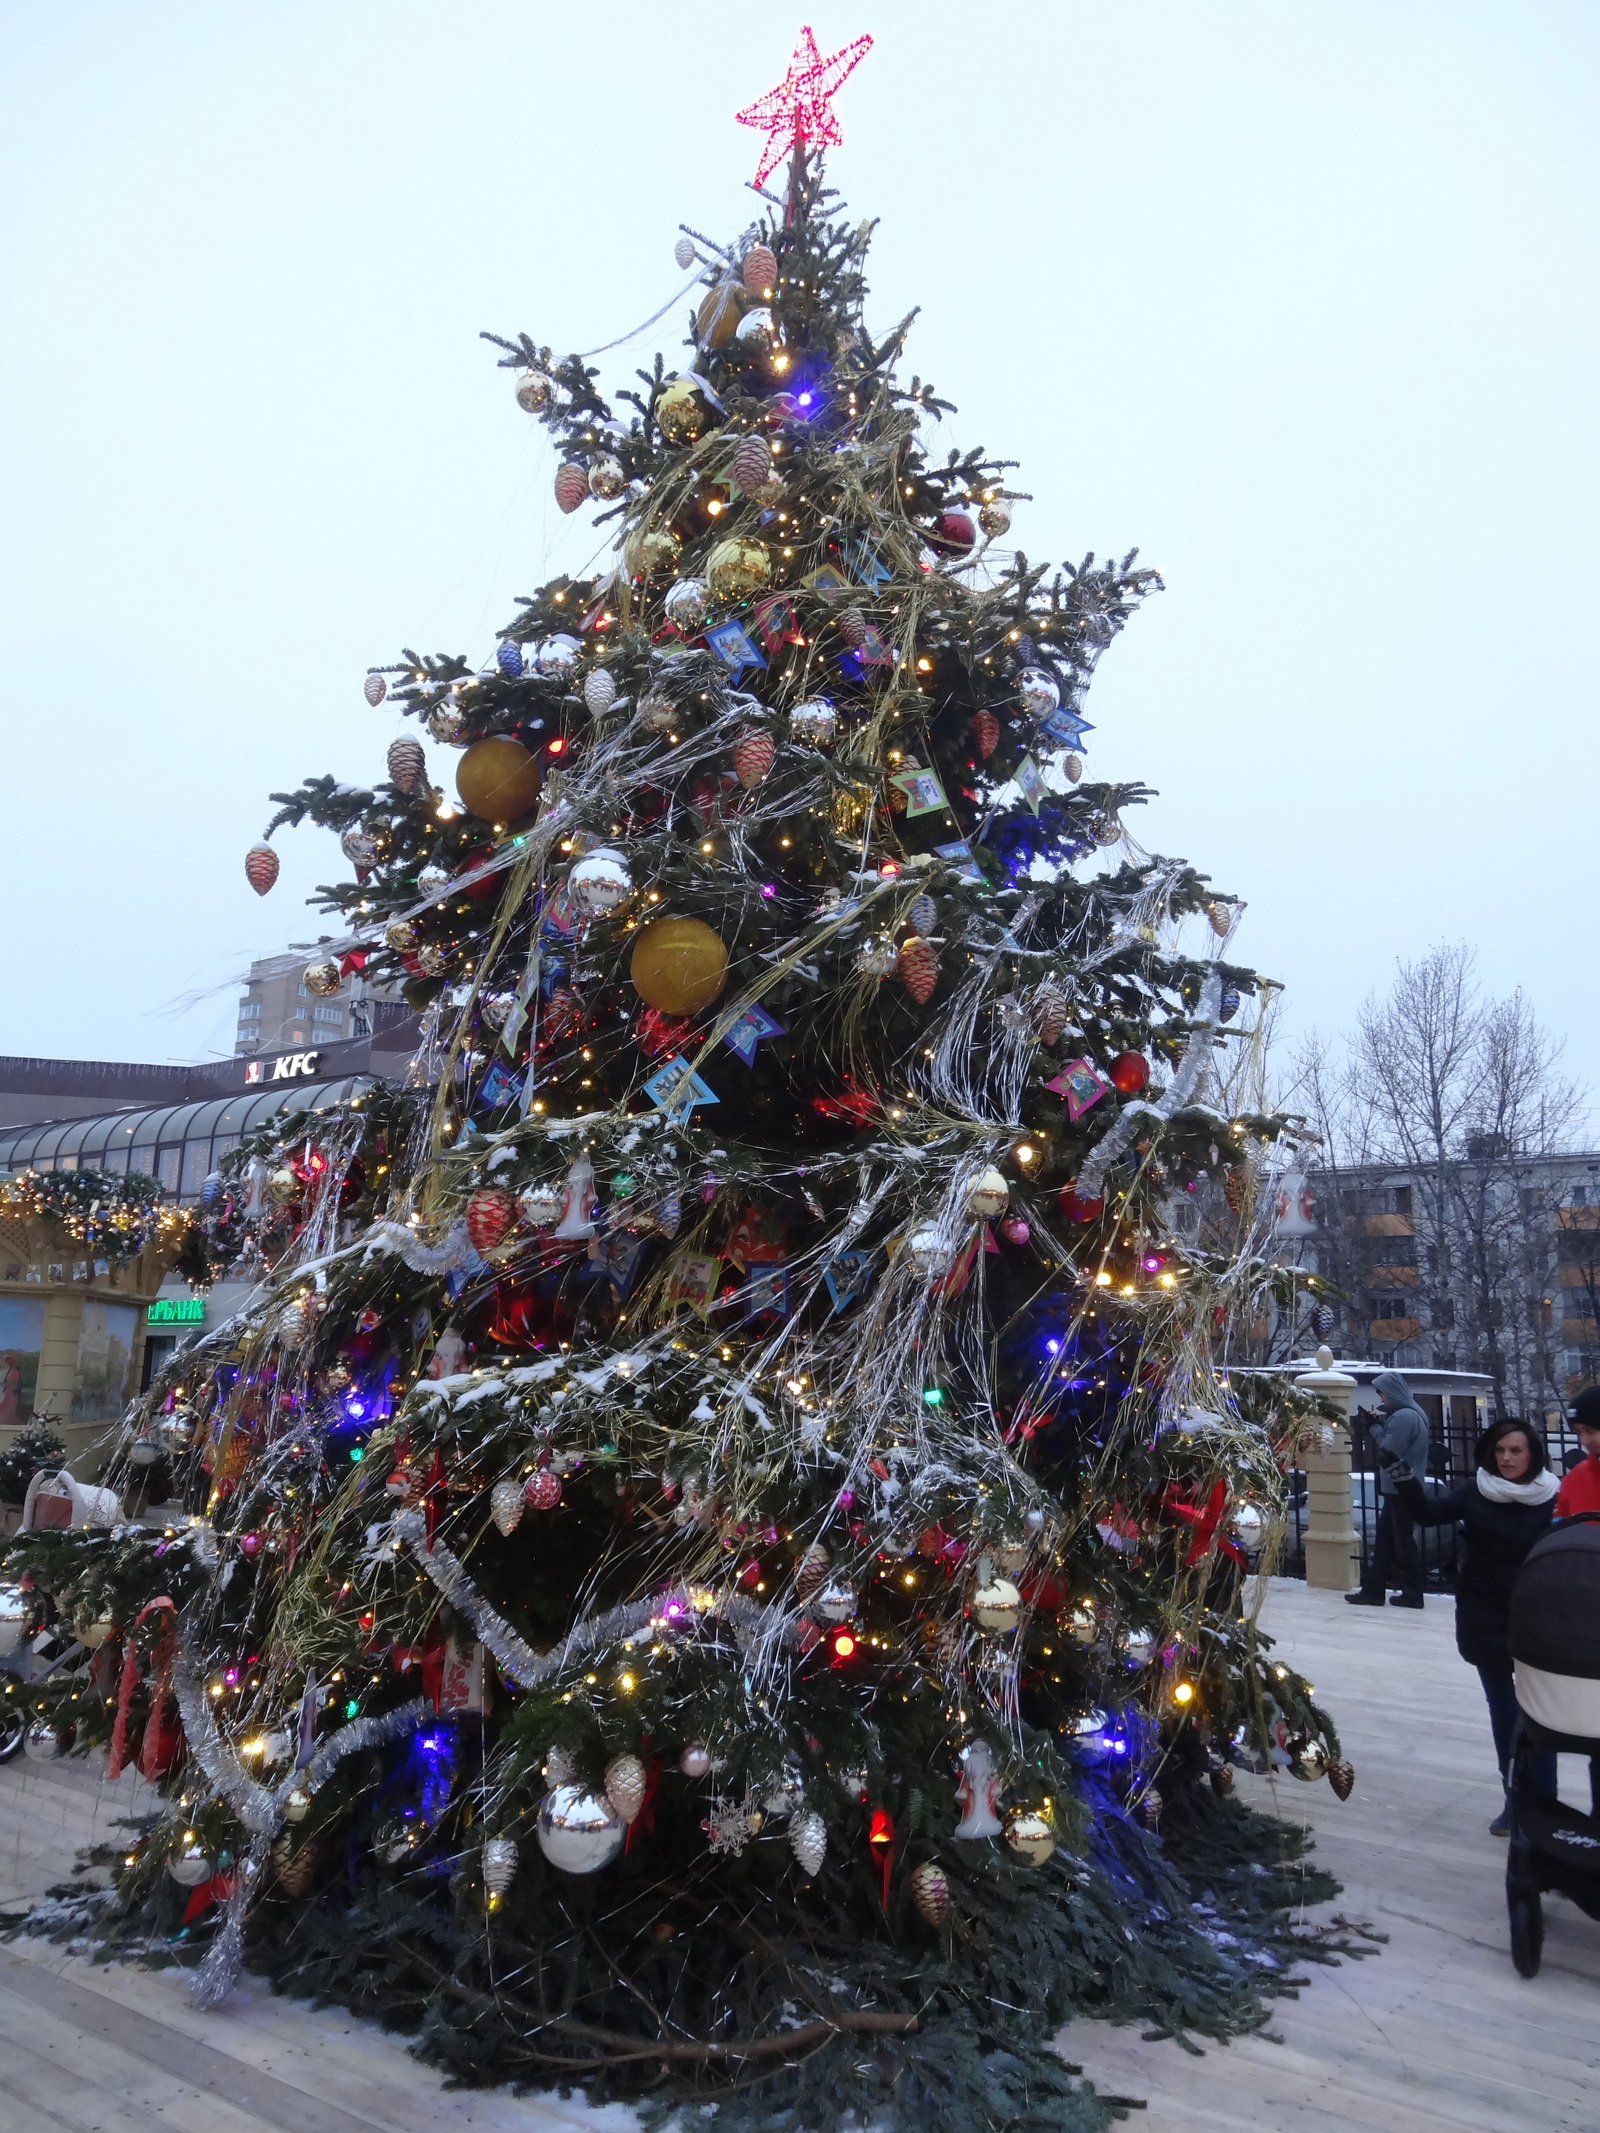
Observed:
{"x":1054,"y":1347}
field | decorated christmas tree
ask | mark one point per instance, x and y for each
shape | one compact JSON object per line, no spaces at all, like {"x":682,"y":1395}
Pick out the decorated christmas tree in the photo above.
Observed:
{"x":714,"y":1555}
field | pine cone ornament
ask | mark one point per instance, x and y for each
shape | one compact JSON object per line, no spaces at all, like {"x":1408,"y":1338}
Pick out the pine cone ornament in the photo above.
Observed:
{"x":295,"y":1867}
{"x":506,"y":1505}
{"x":490,"y":1213}
{"x":261,"y":867}
{"x":930,"y":1892}
{"x":1050,"y":1013}
{"x":1342,"y":1777}
{"x":374,"y":689}
{"x":572,"y":485}
{"x":626,"y":1785}
{"x":759,"y":271}
{"x":1222,"y":1780}
{"x":508,"y":658}
{"x":923,"y":915}
{"x":811,"y":1572}
{"x":751,"y":465}
{"x":808,"y":1840}
{"x":753,"y":756}
{"x":1233,"y":1190}
{"x":853,"y":627}
{"x":408,"y":766}
{"x":1150,"y":1809}
{"x":985,"y":733}
{"x":917,"y":968}
{"x":599,"y":693}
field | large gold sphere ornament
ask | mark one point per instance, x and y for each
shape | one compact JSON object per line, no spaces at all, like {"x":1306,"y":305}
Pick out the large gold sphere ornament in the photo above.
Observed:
{"x":1029,"y":1836}
{"x":679,"y":965}
{"x":736,"y":568}
{"x":498,"y":779}
{"x":651,"y":554}
{"x":322,"y":978}
{"x":679,"y":412}
{"x":717,"y":320}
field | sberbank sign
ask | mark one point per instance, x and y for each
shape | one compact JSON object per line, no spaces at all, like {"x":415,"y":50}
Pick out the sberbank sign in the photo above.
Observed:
{"x":176,"y":1311}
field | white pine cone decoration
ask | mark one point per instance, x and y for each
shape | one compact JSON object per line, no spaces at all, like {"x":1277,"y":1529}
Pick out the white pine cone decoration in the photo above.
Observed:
{"x":753,"y":756}
{"x":408,"y":766}
{"x":626,"y":1784}
{"x":930,"y":1892}
{"x":1150,"y":1809}
{"x":917,"y":968}
{"x":506,"y":1505}
{"x":811,"y":1571}
{"x":599,"y":692}
{"x":374,"y":689}
{"x":499,"y":1864}
{"x":808,"y":1840}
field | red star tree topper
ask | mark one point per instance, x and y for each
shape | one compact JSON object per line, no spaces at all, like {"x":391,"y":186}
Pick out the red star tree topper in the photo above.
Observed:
{"x":799,"y":112}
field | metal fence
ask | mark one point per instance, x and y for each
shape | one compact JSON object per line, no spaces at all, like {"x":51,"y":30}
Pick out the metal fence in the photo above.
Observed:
{"x":1451,"y":1461}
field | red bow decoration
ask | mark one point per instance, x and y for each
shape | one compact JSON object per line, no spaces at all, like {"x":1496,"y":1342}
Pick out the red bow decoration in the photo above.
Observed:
{"x":1202,"y":1518}
{"x":880,"y":1835}
{"x":216,"y":1890}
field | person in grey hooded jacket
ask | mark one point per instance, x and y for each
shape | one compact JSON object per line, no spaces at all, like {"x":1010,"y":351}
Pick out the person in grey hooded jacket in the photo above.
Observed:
{"x":1400,"y":1434}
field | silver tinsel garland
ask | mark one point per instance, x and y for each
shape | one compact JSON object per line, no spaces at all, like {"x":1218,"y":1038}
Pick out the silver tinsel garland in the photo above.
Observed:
{"x":1196,"y":1054}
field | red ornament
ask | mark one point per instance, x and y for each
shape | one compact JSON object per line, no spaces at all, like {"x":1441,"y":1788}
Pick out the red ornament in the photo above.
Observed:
{"x":798,"y":112}
{"x":261,"y":867}
{"x":954,"y":530}
{"x":490,"y":1214}
{"x":249,"y":1543}
{"x":374,"y":689}
{"x":657,"y":1034}
{"x":759,"y":271}
{"x":880,"y":1835}
{"x":751,"y":466}
{"x":1014,"y":1230}
{"x":542,"y":1490}
{"x":917,"y":968}
{"x":572,"y":485}
{"x":985,"y":733}
{"x":1076,"y":1207}
{"x":1129,"y":1072}
{"x":753,"y":756}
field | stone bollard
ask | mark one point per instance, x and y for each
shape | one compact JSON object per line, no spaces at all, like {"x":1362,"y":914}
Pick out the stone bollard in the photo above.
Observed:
{"x":1333,"y":1550}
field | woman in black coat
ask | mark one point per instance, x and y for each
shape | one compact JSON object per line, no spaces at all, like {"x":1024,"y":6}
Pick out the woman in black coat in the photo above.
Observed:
{"x":1502,"y":1511}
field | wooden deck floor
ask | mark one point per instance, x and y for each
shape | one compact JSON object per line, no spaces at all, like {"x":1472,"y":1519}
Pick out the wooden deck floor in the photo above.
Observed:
{"x":1436,"y":2032}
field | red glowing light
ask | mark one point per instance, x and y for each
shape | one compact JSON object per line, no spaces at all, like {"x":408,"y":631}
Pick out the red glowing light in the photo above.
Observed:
{"x":556,"y":746}
{"x":842,"y":1643}
{"x":799,"y":111}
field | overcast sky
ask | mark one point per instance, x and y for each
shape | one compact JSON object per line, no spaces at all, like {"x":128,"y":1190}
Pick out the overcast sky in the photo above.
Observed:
{"x":1299,"y":299}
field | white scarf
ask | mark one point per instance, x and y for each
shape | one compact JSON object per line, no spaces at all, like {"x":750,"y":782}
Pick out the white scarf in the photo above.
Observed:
{"x":1498,"y":1490}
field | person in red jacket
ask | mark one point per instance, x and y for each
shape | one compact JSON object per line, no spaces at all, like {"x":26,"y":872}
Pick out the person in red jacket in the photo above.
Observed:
{"x":1581,"y":1489}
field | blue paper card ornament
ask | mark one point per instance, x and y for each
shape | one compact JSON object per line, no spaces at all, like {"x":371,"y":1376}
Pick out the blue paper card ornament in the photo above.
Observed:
{"x":745,"y":1034}
{"x":826,"y":579}
{"x":678,"y":1090}
{"x":960,"y":857}
{"x":846,"y":1276}
{"x":872,"y":651}
{"x":1030,"y":782}
{"x":864,"y":562}
{"x":734,"y":646}
{"x":1064,"y":729}
{"x":498,"y":1086}
{"x":769,"y":1290}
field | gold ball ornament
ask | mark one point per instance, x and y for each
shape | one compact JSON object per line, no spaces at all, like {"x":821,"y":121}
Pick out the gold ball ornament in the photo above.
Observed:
{"x":400,"y":935}
{"x":606,"y":479}
{"x":996,"y":1605}
{"x":679,"y":965}
{"x":432,"y":960}
{"x":1308,"y":1760}
{"x":717,"y":320}
{"x":445,"y":723}
{"x":988,"y":1196}
{"x":535,"y":391}
{"x":736,"y":568}
{"x":680,"y":414}
{"x":995,"y":517}
{"x":283,"y":1188}
{"x":322,"y":978}
{"x":651,"y":554}
{"x":297,"y":1806}
{"x":498,"y":779}
{"x":1029,"y":1836}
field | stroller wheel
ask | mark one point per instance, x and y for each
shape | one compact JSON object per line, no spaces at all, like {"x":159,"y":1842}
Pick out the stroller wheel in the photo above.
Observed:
{"x":13,"y":1725}
{"x":1527,"y":1932}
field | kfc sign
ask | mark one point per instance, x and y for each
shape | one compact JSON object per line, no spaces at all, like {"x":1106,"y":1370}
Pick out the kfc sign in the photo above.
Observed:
{"x":291,"y":1066}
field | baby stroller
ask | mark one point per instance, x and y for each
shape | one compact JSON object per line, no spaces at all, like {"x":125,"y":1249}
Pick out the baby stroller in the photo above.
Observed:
{"x":1555,"y":1644}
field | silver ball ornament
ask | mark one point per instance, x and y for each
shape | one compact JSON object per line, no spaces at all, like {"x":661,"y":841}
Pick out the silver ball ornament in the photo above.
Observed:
{"x":695,"y":1761}
{"x":541,"y":1205}
{"x":445,"y":723}
{"x":556,"y":656}
{"x":600,"y":881}
{"x":815,"y":723}
{"x":835,"y":1602}
{"x":1037,"y":692}
{"x":190,"y":1867}
{"x":687,"y":605}
{"x":579,"y":1831}
{"x":988,"y":1196}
